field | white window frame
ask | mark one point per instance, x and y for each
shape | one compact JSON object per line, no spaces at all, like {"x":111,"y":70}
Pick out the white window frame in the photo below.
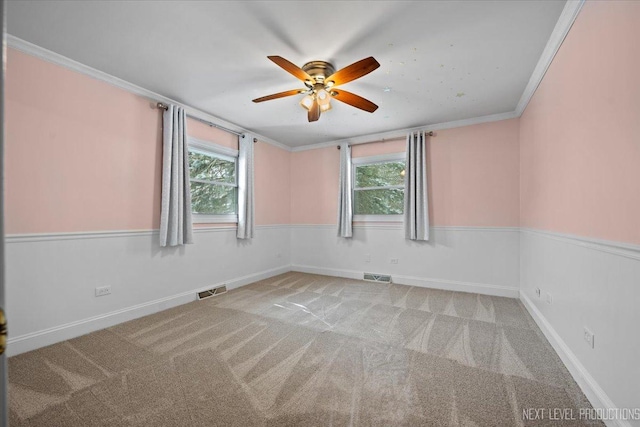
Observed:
{"x":372,"y":160}
{"x":212,"y":149}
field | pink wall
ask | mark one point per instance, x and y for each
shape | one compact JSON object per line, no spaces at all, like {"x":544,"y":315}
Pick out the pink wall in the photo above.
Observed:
{"x":382,"y":147}
{"x":272,"y":184}
{"x":200,"y":130}
{"x":580,"y":155}
{"x":82,"y":155}
{"x":314,"y":186}
{"x":92,"y":162}
{"x":272,"y":189}
{"x":473,"y":177}
{"x":473,"y":174}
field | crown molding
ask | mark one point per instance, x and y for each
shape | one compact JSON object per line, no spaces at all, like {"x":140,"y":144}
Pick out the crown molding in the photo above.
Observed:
{"x":565,"y":22}
{"x":55,"y":58}
{"x":563,"y":25}
{"x":402,"y":133}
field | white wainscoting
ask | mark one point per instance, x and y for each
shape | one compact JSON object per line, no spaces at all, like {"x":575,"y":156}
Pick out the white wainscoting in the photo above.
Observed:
{"x":51,"y":280}
{"x":51,"y":277}
{"x":596,"y":284}
{"x":470,"y":259}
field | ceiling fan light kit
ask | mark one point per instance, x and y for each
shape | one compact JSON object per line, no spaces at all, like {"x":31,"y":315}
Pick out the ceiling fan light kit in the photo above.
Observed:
{"x":307,"y":102}
{"x":320,"y":78}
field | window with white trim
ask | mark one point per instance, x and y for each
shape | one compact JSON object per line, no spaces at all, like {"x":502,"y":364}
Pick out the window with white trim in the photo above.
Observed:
{"x":378,"y":187}
{"x":213,"y":182}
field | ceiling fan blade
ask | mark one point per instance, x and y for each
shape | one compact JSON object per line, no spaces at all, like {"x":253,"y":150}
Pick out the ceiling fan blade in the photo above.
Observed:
{"x":354,"y":100}
{"x":314,"y":112}
{"x":353,"y":71}
{"x":290,"y":67}
{"x":280,"y":95}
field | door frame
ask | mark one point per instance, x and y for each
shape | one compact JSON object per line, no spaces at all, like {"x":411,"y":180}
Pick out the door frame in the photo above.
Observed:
{"x":4,"y":418}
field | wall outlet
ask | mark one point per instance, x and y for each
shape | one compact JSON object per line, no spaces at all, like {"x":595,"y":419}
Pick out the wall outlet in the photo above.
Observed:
{"x":367,"y":258}
{"x":548,"y":298}
{"x":103,"y":290}
{"x":538,"y":292}
{"x":394,"y":260}
{"x":589,"y":337}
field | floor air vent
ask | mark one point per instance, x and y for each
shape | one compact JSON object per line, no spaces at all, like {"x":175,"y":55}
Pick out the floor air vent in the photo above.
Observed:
{"x":211,"y":292}
{"x":381,"y":278}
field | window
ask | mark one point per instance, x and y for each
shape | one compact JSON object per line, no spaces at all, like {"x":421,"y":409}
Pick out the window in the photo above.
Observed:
{"x":214,"y":187}
{"x":378,"y":187}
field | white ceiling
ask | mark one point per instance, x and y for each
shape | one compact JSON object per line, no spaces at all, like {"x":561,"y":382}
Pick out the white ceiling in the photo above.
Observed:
{"x":441,"y":60}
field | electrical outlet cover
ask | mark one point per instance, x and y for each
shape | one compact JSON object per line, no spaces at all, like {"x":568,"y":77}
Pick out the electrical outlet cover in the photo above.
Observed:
{"x":589,"y":337}
{"x":103,"y":290}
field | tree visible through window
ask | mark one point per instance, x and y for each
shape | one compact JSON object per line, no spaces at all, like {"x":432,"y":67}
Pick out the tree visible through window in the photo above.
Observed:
{"x":379,"y":188}
{"x":213,"y":183}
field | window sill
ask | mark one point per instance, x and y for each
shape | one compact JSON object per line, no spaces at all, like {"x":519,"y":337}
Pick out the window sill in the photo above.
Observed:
{"x":214,"y":219}
{"x":378,"y":218}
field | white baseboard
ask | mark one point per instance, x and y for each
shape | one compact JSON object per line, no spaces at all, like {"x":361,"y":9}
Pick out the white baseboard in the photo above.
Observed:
{"x":423,"y":282}
{"x":43,"y":338}
{"x":49,"y":336}
{"x":454,"y":285}
{"x":587,"y":383}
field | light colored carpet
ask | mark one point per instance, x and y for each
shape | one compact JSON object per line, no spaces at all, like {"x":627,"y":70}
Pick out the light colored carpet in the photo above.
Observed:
{"x":302,"y":350}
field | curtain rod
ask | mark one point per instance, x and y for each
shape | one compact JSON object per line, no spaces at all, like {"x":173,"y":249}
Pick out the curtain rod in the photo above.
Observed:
{"x":429,"y":133}
{"x":162,"y":106}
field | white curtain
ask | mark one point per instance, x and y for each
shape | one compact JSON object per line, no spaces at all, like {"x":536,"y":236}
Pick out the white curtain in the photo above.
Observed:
{"x":416,"y":206}
{"x":345,"y":203}
{"x":175,"y":218}
{"x":245,"y":187}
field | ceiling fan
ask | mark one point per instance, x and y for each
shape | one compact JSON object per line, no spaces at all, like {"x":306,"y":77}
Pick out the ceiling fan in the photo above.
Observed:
{"x":321,"y":79}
